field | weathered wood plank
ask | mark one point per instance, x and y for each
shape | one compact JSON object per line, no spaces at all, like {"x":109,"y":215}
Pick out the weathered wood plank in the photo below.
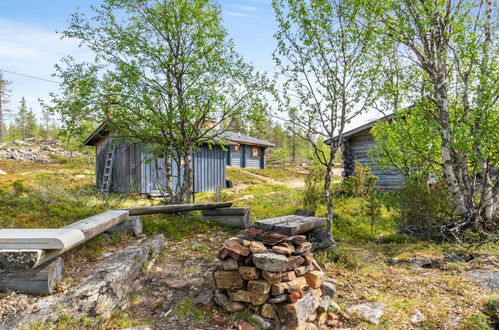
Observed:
{"x":176,"y":208}
{"x":39,"y":238}
{"x":39,"y":281}
{"x":99,"y":223}
{"x":291,"y":224}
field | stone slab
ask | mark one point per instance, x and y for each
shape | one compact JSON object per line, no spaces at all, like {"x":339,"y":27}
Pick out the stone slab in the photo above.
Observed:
{"x":291,"y":224}
{"x":46,"y":239}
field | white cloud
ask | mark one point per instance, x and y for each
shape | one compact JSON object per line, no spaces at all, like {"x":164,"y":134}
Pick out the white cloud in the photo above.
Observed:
{"x":236,"y":14}
{"x":245,"y":8}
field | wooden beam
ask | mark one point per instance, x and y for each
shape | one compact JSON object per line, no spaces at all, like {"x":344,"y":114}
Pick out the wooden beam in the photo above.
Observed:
{"x":99,"y":223}
{"x":39,"y":281}
{"x":174,"y":208}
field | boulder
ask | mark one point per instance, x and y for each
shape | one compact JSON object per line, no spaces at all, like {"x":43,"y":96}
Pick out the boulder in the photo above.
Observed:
{"x":328,"y":289}
{"x":259,"y":322}
{"x":270,"y":261}
{"x":314,"y":278}
{"x":257,"y":247}
{"x":258,"y":286}
{"x":297,"y":313}
{"x":417,"y":317}
{"x":272,"y":278}
{"x":223,"y":301}
{"x":485,"y":277}
{"x":228,"y":279}
{"x":294,"y":262}
{"x":371,"y":311}
{"x":268,"y":311}
{"x":205,"y":299}
{"x":230,"y":264}
{"x":239,"y":295}
{"x":249,"y":273}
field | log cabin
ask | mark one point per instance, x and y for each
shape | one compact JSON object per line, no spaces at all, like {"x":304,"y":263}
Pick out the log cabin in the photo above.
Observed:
{"x":356,"y":146}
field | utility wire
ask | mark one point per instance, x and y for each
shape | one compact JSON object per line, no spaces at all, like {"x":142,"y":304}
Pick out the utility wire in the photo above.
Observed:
{"x":30,"y":76}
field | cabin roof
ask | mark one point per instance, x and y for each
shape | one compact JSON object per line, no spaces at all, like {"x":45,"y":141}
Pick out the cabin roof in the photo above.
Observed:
{"x":231,"y":137}
{"x":246,"y":139}
{"x":363,"y":128}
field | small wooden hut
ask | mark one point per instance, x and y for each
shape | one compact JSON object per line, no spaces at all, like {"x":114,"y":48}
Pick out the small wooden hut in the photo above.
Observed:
{"x":121,"y":166}
{"x":356,"y":145}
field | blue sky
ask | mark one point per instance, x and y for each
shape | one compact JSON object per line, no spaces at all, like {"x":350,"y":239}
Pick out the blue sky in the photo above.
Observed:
{"x":30,"y":45}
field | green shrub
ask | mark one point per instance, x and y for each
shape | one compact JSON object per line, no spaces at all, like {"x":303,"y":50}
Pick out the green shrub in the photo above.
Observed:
{"x":18,"y":188}
{"x":358,"y":185}
{"x":424,"y":208}
{"x":313,"y":195}
{"x":491,"y":309}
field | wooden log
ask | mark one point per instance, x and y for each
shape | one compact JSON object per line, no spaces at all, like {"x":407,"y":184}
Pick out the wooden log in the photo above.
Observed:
{"x":227,"y":211}
{"x":132,"y":225}
{"x":90,"y":227}
{"x":176,"y":208}
{"x":99,"y":294}
{"x":238,"y":217}
{"x":39,"y":281}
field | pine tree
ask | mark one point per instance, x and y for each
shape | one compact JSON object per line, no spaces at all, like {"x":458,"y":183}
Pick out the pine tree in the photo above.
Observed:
{"x":31,"y":124}
{"x":5,"y":93}
{"x":22,"y":118}
{"x":46,"y":120}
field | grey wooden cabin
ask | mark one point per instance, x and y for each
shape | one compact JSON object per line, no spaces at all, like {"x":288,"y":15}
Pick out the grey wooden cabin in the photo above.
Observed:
{"x":245,"y":151}
{"x":356,"y":146}
{"x":135,"y":170}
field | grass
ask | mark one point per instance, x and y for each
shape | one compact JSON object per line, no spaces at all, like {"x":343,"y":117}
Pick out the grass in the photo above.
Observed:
{"x":279,"y":174}
{"x":34,"y":195}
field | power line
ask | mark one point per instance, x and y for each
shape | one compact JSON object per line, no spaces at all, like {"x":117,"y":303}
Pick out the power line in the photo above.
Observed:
{"x":30,"y":76}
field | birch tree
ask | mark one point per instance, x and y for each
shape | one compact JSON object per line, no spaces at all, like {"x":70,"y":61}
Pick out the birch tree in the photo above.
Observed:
{"x":5,"y":94}
{"x":163,"y":69}
{"x":450,"y":44}
{"x":325,"y":59}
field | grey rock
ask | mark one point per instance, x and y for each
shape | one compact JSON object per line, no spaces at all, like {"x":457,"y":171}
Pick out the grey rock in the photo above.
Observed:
{"x":305,"y":212}
{"x":371,"y":311}
{"x":298,"y":313}
{"x":328,"y":289}
{"x":417,"y":317}
{"x":330,"y":280}
{"x":260,"y":322}
{"x":278,"y":299}
{"x":324,"y":303}
{"x":333,"y":305}
{"x":205,"y":299}
{"x":485,"y":277}
{"x":223,"y":301}
{"x":271,"y":262}
{"x":319,"y":235}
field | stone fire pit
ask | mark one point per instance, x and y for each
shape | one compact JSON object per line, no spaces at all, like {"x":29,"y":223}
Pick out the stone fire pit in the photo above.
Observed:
{"x":275,"y":275}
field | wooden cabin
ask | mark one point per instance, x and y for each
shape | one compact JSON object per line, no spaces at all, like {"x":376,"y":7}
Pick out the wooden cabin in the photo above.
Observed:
{"x":133,"y":169}
{"x":246,"y":151}
{"x":356,"y":145}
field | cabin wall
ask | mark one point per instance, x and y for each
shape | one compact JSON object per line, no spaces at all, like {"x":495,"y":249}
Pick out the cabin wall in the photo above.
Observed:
{"x":250,"y":161}
{"x":236,"y":158}
{"x":356,"y":149}
{"x":208,"y":168}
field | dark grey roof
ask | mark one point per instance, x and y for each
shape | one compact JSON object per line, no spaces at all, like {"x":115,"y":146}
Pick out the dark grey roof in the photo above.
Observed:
{"x":363,"y":127}
{"x":245,"y":139}
{"x":231,"y":137}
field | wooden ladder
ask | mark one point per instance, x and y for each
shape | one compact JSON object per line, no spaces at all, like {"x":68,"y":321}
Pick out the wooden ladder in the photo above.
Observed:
{"x":108,"y":171}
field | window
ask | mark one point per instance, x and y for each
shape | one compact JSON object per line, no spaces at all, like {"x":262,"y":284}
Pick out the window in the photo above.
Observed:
{"x":236,"y":148}
{"x":255,"y":152}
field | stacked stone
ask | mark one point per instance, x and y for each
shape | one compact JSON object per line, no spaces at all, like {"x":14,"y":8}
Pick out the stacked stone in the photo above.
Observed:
{"x":280,"y":281}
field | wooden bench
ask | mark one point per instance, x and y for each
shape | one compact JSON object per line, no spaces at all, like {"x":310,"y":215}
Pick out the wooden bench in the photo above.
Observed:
{"x":29,"y":258}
